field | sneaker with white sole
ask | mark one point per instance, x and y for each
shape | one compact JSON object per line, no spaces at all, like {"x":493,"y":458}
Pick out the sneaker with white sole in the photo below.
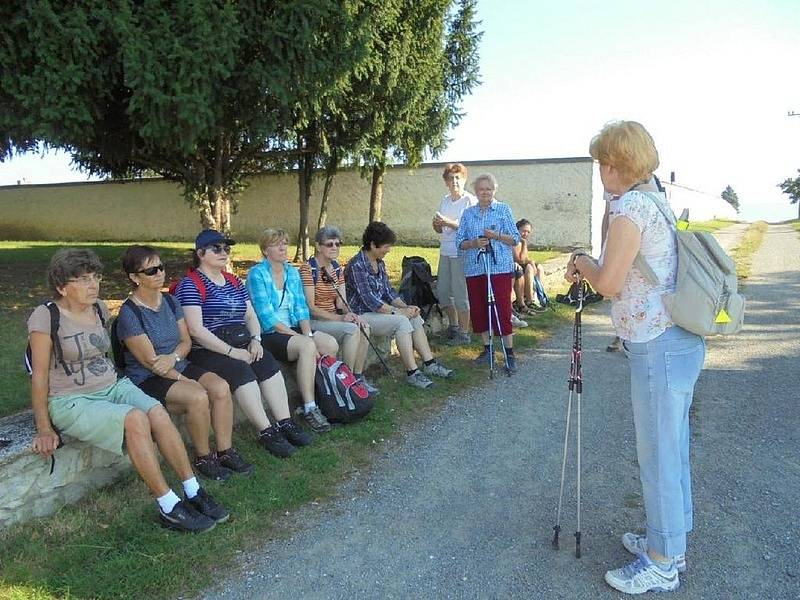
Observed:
{"x":437,"y":370}
{"x":418,"y":379}
{"x":517,"y":322}
{"x":637,"y":544}
{"x":643,"y":575}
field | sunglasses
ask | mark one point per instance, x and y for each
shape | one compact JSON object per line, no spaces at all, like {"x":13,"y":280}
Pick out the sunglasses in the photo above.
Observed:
{"x":332,"y":244}
{"x":150,"y":271}
{"x":219,"y":248}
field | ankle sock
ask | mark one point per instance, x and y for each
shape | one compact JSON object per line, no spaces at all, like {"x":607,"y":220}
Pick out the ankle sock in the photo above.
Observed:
{"x":190,"y":487}
{"x":510,"y":351}
{"x":486,"y":348}
{"x":411,"y":372}
{"x":168,"y":501}
{"x":307,"y":408}
{"x":428,"y":363}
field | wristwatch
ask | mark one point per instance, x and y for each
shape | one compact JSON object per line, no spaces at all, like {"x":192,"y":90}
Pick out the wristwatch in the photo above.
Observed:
{"x":177,"y":358}
{"x":310,"y":334}
{"x":256,"y":338}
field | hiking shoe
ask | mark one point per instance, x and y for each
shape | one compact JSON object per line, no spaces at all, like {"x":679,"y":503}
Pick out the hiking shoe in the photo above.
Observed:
{"x":233,"y":461}
{"x":206,"y":505}
{"x":511,"y":364}
{"x":183,"y":517}
{"x":208,"y":466}
{"x":294,"y":433}
{"x":517,"y":322}
{"x":483,"y":358}
{"x":437,"y":370}
{"x":317,"y":421}
{"x":371,"y":389}
{"x":643,"y":575}
{"x":462,"y":338}
{"x":418,"y":379}
{"x":637,"y":544}
{"x":275,"y":443}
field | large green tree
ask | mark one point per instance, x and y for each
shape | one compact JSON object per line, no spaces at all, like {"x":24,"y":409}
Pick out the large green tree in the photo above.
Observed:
{"x":791,"y":187}
{"x":202,"y":92}
{"x":730,"y":197}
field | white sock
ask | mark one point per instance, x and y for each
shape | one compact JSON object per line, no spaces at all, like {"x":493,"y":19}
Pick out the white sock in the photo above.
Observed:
{"x":168,"y":501}
{"x":309,"y":407}
{"x":190,"y":487}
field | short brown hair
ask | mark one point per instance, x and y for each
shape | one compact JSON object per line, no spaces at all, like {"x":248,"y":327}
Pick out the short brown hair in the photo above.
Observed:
{"x":271,"y":236}
{"x":71,"y":263}
{"x":628,"y":147}
{"x":454,"y":169}
{"x":135,"y":257}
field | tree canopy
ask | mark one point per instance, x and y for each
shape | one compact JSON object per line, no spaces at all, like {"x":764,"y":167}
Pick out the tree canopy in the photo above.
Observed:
{"x":208,"y":93}
{"x":791,"y":187}
{"x":730,"y":197}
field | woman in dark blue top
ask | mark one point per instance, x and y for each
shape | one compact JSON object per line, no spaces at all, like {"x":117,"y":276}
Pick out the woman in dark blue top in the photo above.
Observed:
{"x":156,"y":341}
{"x":227,"y":341}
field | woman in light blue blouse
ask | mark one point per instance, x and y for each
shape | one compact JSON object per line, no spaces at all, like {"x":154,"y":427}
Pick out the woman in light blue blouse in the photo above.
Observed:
{"x":489,"y":227}
{"x":279,"y":301}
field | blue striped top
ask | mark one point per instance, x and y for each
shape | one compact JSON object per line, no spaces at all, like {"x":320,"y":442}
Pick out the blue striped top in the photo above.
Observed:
{"x":224,"y":304}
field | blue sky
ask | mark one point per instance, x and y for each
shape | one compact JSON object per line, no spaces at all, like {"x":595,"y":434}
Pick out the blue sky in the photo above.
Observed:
{"x":712,"y":81}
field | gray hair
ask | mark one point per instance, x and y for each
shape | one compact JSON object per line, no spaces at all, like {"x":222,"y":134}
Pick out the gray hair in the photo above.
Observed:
{"x":485,"y":177}
{"x":329,"y":232}
{"x":69,"y":263}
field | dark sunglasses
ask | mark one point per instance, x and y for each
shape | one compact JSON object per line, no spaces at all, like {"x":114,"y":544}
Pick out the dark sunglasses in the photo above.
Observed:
{"x":332,"y":244}
{"x":150,"y":271}
{"x":219,"y":248}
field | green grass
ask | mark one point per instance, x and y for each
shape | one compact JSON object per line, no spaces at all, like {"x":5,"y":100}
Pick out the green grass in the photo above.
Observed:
{"x":750,"y":242}
{"x":109,"y":544}
{"x":712,"y":225}
{"x":795,"y":224}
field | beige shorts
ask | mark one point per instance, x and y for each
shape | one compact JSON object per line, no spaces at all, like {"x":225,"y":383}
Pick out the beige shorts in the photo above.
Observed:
{"x":338,"y":329}
{"x":391,"y":325}
{"x":98,"y":418}
{"x":451,"y":285}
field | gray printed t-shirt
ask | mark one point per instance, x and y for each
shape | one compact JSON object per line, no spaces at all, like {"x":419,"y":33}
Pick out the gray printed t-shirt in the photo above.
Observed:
{"x":160,"y":326}
{"x":84,"y":348}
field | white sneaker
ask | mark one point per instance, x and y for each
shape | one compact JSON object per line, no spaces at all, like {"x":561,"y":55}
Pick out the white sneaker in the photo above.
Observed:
{"x":643,"y":575}
{"x":637,"y":544}
{"x":517,"y":322}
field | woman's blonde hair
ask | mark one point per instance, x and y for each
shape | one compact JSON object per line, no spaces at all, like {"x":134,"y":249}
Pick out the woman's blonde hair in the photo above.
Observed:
{"x":270,"y":237}
{"x":626,"y":146}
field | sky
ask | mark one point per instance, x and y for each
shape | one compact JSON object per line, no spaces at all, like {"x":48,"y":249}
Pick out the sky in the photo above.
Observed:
{"x":712,"y":81}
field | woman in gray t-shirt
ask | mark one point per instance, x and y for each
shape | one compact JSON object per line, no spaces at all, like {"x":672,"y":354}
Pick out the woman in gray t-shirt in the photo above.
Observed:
{"x":152,"y":328}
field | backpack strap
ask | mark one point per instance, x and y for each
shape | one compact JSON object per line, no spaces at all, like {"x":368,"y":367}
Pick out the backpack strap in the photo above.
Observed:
{"x":171,"y":303}
{"x":312,"y":262}
{"x":195,"y":278}
{"x":639,"y":261}
{"x":55,"y":321}
{"x":99,"y":312}
{"x":232,"y":279}
{"x":135,"y":309}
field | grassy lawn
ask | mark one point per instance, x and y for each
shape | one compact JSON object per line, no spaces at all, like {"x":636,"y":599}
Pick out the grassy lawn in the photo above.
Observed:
{"x":750,"y":242}
{"x":712,"y":225}
{"x":109,"y":545}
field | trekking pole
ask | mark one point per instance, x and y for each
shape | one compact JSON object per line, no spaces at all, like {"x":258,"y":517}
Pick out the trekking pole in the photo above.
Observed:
{"x":327,"y":279}
{"x":575,"y":383}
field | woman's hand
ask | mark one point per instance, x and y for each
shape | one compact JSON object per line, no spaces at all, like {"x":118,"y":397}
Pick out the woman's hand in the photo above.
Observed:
{"x":481,"y":242}
{"x":351,"y":318}
{"x":45,"y":443}
{"x":241,"y":354}
{"x":163,"y":364}
{"x":570,"y":274}
{"x":255,"y":350}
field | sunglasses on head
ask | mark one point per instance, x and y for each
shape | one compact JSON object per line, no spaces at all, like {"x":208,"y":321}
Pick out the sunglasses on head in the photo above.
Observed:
{"x":219,"y":248}
{"x":332,"y":244}
{"x":150,"y":271}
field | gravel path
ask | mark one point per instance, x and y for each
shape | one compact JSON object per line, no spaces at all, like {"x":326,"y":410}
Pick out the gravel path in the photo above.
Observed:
{"x":463,"y":506}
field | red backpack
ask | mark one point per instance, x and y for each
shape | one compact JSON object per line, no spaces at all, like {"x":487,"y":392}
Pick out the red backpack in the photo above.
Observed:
{"x":194,"y":275}
{"x":340,"y":396}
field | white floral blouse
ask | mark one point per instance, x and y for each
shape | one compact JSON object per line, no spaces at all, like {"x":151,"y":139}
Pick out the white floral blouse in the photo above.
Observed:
{"x":637,"y":312}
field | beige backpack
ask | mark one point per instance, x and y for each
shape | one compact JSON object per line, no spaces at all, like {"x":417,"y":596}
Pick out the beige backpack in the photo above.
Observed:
{"x":705,"y":300}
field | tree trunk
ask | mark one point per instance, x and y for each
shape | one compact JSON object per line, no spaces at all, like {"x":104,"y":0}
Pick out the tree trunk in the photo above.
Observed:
{"x":330,"y":172}
{"x":304,"y":179}
{"x":376,"y":193}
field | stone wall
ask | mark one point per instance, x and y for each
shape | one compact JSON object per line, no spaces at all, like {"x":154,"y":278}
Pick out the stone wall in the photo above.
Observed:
{"x":555,"y":194}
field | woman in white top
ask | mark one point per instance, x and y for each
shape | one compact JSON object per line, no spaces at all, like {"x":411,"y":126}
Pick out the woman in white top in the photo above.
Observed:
{"x":450,"y":280}
{"x":665,"y":360}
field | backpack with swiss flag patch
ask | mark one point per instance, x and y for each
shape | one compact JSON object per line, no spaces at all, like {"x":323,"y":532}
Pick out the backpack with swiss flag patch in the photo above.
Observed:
{"x":340,"y":396}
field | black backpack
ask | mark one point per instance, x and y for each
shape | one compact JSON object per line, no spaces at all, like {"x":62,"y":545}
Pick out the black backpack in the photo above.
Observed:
{"x":340,"y":396}
{"x":55,"y":321}
{"x":416,"y":285}
{"x":117,"y":346}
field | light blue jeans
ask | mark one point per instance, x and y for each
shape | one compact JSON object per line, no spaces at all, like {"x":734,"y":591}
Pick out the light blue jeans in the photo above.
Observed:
{"x":663,"y":373}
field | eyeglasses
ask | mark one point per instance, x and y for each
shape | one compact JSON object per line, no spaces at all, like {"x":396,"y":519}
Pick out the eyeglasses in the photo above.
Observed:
{"x":332,"y":244}
{"x":219,"y":248}
{"x":87,"y":279}
{"x":150,"y":271}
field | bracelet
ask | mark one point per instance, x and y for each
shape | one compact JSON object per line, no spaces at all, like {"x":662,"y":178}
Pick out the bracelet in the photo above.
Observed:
{"x":177,"y":358}
{"x":230,"y":349}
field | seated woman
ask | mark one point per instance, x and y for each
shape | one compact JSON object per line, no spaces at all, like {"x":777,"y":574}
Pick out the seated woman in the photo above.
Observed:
{"x":323,"y":284}
{"x":75,"y":391}
{"x":486,"y":236}
{"x":371,"y":295}
{"x":280,"y":304}
{"x":156,"y":339}
{"x":524,"y":272}
{"x":227,"y":341}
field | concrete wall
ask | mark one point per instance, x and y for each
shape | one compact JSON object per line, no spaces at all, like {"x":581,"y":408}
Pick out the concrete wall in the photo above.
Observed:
{"x":553,"y":193}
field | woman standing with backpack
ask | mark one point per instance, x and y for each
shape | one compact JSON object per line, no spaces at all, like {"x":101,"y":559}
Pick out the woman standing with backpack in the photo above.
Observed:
{"x":665,"y":360}
{"x":156,"y":339}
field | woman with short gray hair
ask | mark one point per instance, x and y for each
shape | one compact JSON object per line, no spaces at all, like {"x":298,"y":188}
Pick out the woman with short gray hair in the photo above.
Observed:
{"x":324,"y":289}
